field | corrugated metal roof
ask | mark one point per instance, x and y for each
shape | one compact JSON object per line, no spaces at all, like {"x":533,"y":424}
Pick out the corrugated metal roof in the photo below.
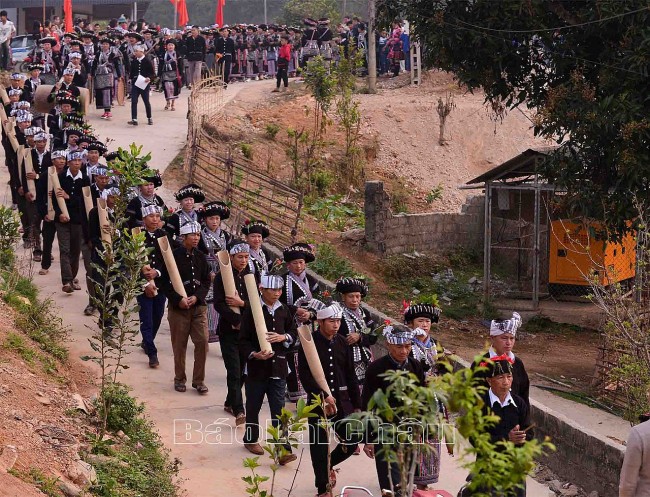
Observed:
{"x":523,"y":164}
{"x":6,"y":4}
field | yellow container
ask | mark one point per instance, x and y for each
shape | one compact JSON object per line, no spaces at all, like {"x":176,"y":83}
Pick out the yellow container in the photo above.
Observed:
{"x":576,"y":256}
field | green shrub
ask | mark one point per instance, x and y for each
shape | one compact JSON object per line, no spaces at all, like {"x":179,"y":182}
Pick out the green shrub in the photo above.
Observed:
{"x":336,"y":213}
{"x":17,"y":343}
{"x":9,"y":235}
{"x":123,"y":411}
{"x":322,"y":180}
{"x":434,"y":194}
{"x":247,"y":150}
{"x":42,"y":324}
{"x":329,"y":264}
{"x":272,"y":130}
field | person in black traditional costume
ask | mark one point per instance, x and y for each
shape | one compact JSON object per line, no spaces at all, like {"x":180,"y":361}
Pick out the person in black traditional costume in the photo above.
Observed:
{"x":187,"y":197}
{"x":337,"y":362}
{"x":299,"y":289}
{"x":213,"y":240}
{"x":170,"y":75}
{"x":255,"y":232}
{"x":146,"y":196}
{"x":502,"y":338}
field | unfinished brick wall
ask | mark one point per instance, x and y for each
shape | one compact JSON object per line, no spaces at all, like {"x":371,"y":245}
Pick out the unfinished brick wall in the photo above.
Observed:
{"x":434,"y":232}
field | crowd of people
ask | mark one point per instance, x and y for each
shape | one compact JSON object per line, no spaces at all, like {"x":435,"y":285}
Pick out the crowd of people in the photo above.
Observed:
{"x":53,"y":157}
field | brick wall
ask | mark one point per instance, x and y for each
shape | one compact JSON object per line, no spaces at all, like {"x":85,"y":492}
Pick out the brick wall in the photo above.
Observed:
{"x":388,"y":233}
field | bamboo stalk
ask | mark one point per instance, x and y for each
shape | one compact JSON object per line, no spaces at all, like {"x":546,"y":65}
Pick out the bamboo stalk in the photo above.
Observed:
{"x":172,"y":268}
{"x":227,"y":277}
{"x":56,"y":186}
{"x":258,"y":315}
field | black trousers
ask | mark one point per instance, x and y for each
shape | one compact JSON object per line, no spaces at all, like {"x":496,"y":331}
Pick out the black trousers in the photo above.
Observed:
{"x":48,"y":232}
{"x":282,"y":76}
{"x":319,"y":448}
{"x":136,"y":93}
{"x":274,"y":390}
{"x":226,"y":64}
{"x":229,"y":343}
{"x":383,"y":468}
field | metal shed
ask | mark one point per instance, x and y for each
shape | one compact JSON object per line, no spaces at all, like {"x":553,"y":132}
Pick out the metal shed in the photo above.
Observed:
{"x":515,"y":202}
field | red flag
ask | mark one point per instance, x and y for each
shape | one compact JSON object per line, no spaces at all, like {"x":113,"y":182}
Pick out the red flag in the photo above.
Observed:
{"x":181,"y":8}
{"x":67,"y":10}
{"x":219,"y":18}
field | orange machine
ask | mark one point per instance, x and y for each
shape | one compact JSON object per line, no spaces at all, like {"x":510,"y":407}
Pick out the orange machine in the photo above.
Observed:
{"x":575,"y":256}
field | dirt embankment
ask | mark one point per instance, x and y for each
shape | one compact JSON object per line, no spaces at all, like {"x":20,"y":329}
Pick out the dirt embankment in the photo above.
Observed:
{"x":40,"y":434}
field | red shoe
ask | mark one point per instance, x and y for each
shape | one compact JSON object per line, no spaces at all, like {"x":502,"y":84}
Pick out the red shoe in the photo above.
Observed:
{"x":108,"y":115}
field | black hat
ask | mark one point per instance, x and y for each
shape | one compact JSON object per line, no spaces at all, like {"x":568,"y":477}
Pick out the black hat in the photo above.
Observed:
{"x":111,"y":156}
{"x":73,"y":132}
{"x":134,"y":34}
{"x":299,"y":251}
{"x":309,"y":22}
{"x":215,"y":209}
{"x":106,"y":40}
{"x":99,"y":146}
{"x":71,"y":35}
{"x":88,"y":34}
{"x":191,"y":190}
{"x":414,"y":311}
{"x":84,"y":139}
{"x":263,"y":27}
{"x":33,"y":66}
{"x":496,"y":366}
{"x":65,"y":97}
{"x":74,"y":118}
{"x":259,"y":227}
{"x":324,"y":21}
{"x":48,"y":39}
{"x":154,"y":178}
{"x":349,"y":285}
{"x":152,"y":32}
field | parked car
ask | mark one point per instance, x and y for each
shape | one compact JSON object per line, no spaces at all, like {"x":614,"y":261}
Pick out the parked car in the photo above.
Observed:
{"x":21,"y":48}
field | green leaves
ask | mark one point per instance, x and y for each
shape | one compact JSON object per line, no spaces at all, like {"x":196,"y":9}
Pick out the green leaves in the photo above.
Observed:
{"x":583,"y":69}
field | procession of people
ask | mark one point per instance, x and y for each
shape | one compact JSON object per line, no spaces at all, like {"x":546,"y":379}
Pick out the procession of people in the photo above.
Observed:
{"x":210,"y":308}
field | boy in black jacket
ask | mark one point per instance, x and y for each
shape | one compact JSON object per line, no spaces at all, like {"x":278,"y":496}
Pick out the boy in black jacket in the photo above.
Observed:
{"x":266,"y":372}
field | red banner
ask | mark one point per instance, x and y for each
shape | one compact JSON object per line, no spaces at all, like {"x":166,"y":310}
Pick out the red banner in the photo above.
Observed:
{"x":181,"y":8}
{"x":219,"y":17}
{"x":67,"y":11}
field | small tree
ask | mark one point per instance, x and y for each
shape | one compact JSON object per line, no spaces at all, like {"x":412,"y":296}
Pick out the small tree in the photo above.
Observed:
{"x":500,"y":467}
{"x":295,"y":11}
{"x":444,"y":109}
{"x":117,"y":283}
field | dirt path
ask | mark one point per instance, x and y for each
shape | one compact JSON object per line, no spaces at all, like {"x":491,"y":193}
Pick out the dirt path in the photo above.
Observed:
{"x":196,"y":429}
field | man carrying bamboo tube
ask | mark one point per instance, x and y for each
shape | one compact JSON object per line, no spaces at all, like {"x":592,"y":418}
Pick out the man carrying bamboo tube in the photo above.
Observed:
{"x":230,"y":326}
{"x":344,"y":398}
{"x":187,"y":316}
{"x":266,"y":371}
{"x":69,"y":229}
{"x":152,"y":301}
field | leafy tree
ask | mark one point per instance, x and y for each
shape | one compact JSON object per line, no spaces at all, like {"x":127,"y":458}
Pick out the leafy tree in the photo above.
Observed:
{"x":295,"y":11}
{"x":582,"y":67}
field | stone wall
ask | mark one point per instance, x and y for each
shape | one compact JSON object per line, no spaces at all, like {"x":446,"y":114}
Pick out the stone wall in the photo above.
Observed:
{"x":388,"y":233}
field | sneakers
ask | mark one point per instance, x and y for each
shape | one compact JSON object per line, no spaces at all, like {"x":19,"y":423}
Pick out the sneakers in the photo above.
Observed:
{"x":103,"y":116}
{"x":89,"y":310}
{"x":254,"y":449}
{"x":67,"y":288}
{"x":133,"y":122}
{"x":150,"y":122}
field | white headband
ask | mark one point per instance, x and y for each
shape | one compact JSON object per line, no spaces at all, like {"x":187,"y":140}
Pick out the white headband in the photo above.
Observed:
{"x":501,"y":326}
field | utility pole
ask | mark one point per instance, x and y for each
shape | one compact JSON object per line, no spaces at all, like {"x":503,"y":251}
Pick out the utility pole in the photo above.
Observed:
{"x":175,"y":14}
{"x":265,"y":21}
{"x":345,"y":8}
{"x":372,"y":48}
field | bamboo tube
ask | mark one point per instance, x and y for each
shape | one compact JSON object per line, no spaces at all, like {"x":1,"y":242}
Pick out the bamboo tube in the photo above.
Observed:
{"x":227,"y":277}
{"x":4,"y":95}
{"x":56,"y":185}
{"x":88,"y":200}
{"x":258,"y":315}
{"x":3,"y":113}
{"x":103,"y":220}
{"x":29,"y":168}
{"x":170,"y":264}
{"x":136,"y":231}
{"x":316,"y":368}
{"x":50,"y":208}
{"x":20,"y":158}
